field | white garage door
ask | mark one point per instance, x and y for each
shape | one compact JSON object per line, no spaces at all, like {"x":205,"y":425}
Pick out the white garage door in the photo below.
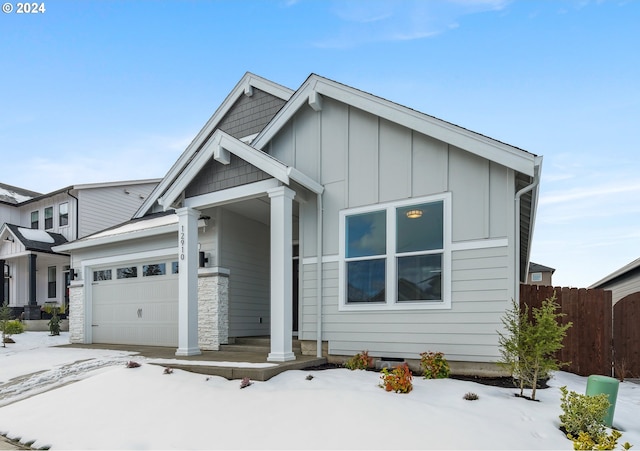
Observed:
{"x":136,"y":304}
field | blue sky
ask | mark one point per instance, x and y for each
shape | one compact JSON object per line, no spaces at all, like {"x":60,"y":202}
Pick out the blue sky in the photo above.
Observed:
{"x":99,"y":91}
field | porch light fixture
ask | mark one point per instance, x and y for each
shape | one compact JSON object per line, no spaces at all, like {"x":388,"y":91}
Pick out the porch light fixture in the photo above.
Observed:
{"x":414,"y":214}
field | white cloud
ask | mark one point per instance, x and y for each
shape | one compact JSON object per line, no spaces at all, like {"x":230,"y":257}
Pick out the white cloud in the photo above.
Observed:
{"x":388,"y":21}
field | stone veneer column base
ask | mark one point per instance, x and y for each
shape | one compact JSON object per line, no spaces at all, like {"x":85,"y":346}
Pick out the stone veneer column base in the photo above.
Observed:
{"x":213,"y":308}
{"x":76,"y":312}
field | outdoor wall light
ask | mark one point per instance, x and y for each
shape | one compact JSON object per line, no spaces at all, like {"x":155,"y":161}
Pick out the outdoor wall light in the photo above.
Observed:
{"x":73,"y":274}
{"x":414,"y":214}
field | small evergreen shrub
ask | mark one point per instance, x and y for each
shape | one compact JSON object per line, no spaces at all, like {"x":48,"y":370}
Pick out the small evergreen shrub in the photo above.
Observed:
{"x":360,"y":361}
{"x":13,"y":327}
{"x":583,"y":414}
{"x":608,"y":441}
{"x":397,"y":380}
{"x":434,"y":365}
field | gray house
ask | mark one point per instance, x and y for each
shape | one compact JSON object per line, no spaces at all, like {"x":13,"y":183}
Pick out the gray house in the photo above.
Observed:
{"x":622,"y":282}
{"x":327,"y":214}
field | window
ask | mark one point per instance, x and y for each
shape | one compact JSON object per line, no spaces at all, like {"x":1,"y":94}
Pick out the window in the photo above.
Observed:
{"x":536,"y":277}
{"x":35,"y":223}
{"x":127,"y":273}
{"x":396,"y":255}
{"x":102,"y":274}
{"x":158,"y":269}
{"x":175,"y":269}
{"x":51,"y":285}
{"x":63,"y":219}
{"x":48,"y":218}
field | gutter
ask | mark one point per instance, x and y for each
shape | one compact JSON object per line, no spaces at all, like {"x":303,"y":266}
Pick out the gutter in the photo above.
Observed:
{"x":76,"y":215}
{"x":534,"y":185}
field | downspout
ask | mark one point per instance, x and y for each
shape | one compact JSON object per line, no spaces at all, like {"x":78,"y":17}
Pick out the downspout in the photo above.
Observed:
{"x":526,"y":189}
{"x":319,"y":278}
{"x":77,"y":216}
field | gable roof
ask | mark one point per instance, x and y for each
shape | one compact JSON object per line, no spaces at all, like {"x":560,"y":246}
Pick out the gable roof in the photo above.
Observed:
{"x":35,"y":240}
{"x":315,"y":87}
{"x":535,"y":267}
{"x":13,"y":195}
{"x":243,"y":87}
{"x":219,"y":146}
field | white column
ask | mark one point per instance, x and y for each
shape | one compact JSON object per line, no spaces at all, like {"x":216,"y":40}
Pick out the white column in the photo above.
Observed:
{"x":188,"y":282}
{"x":281,"y":277}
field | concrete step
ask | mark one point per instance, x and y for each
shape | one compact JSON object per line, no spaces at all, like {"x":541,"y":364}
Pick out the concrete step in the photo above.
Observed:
{"x":256,"y":344}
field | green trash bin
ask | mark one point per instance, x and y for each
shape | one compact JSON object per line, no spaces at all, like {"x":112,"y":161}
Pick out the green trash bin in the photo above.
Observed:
{"x":596,"y":385}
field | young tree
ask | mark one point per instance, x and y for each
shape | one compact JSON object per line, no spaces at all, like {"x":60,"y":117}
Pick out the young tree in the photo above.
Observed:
{"x":5,"y":317}
{"x":528,"y":350}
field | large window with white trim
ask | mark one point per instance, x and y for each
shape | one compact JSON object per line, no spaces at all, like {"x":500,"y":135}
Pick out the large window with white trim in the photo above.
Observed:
{"x":396,"y":255}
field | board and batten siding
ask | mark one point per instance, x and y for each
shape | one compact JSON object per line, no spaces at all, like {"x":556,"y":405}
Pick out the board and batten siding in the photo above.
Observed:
{"x":104,"y":207}
{"x":244,"y":250}
{"x":362,"y":160}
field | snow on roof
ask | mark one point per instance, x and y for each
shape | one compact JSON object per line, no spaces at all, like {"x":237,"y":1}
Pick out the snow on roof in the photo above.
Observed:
{"x":137,"y":226}
{"x":36,"y":235}
{"x":10,"y":194}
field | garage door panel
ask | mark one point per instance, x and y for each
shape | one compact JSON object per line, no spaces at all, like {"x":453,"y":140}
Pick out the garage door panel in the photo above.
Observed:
{"x":142,"y":310}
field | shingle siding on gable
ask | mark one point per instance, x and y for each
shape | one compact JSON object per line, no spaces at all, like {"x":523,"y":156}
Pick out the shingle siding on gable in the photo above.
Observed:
{"x":216,"y":176}
{"x":249,"y":115}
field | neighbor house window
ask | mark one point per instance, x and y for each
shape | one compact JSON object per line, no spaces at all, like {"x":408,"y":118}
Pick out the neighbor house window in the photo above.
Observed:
{"x":64,"y":214}
{"x":35,"y":222}
{"x":396,"y":255}
{"x":158,"y":269}
{"x":536,"y":277}
{"x":127,"y":272}
{"x":51,"y":284}
{"x":48,"y":218}
{"x":101,"y":274}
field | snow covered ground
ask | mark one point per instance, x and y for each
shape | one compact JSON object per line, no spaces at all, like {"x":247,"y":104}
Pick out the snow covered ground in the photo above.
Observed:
{"x":88,"y":399}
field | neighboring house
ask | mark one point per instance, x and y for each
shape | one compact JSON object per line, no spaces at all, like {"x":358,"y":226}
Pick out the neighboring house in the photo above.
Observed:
{"x":31,"y":224}
{"x":622,"y":282}
{"x":325,"y":213}
{"x":540,"y":275}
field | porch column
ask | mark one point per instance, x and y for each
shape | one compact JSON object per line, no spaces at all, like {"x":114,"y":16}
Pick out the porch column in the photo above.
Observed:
{"x":281,"y":274}
{"x":2,"y":282}
{"x":31,"y":310}
{"x":187,"y":282}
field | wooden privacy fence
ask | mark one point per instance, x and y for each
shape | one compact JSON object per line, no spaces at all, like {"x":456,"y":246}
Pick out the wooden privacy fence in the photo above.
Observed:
{"x":587,"y":345}
{"x":626,"y":336}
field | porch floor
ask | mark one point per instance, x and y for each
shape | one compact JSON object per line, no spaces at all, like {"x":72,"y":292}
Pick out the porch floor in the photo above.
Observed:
{"x":228,"y":370}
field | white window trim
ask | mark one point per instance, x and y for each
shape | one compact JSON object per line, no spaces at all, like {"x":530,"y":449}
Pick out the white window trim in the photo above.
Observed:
{"x":391,"y":286}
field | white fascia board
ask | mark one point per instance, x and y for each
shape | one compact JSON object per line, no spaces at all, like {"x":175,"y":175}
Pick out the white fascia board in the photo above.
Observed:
{"x":305,"y":180}
{"x":230,"y":195}
{"x":223,"y":140}
{"x":255,"y":157}
{"x":111,"y":239}
{"x":248,"y":79}
{"x":504,"y":154}
{"x":115,"y":184}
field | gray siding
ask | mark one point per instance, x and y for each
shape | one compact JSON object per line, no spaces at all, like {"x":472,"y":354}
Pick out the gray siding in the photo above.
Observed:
{"x":104,"y":207}
{"x":244,"y":250}
{"x":467,"y":332}
{"x":365,"y":160}
{"x":216,"y":176}
{"x":362,"y":160}
{"x":249,"y":115}
{"x":623,"y":286}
